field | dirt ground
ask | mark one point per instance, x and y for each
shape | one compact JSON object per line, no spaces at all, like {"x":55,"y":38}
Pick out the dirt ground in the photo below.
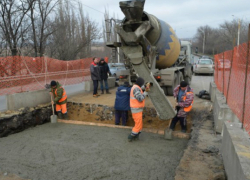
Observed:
{"x":202,"y":159}
{"x":77,"y":113}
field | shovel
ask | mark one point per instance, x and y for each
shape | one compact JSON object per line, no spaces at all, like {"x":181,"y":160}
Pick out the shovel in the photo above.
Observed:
{"x":53,"y":118}
{"x":168,"y":132}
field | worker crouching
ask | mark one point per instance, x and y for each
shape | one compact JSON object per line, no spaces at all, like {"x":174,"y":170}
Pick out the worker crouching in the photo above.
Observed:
{"x":137,"y":103}
{"x":60,"y":99}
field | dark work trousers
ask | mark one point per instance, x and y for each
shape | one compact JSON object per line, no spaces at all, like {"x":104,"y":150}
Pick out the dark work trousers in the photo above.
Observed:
{"x":121,"y":114}
{"x":106,"y":84}
{"x":95,"y":84}
{"x":183,"y":122}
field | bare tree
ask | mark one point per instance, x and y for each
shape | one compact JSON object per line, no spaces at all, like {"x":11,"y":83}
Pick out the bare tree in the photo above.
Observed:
{"x":41,"y":24}
{"x":74,"y":32}
{"x":13,"y":14}
{"x":217,"y":40}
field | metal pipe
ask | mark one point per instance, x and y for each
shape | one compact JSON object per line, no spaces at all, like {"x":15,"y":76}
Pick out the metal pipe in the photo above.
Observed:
{"x":238,"y":41}
{"x":245,"y":88}
{"x":228,"y":86}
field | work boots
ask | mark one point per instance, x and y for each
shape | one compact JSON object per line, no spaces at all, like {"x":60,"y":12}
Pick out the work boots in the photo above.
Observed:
{"x":107,"y":92}
{"x":65,"y":116}
{"x":131,"y":137}
{"x":59,"y":114}
{"x":137,"y":136}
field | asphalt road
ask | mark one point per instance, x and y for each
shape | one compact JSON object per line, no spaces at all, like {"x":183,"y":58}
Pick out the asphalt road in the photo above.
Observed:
{"x":201,"y":82}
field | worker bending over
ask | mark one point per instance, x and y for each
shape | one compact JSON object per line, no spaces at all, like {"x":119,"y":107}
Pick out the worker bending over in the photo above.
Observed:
{"x":60,"y":99}
{"x":184,"y":97}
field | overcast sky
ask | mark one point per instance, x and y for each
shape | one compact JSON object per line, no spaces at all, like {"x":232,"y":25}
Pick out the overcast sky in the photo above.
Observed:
{"x":184,"y":16}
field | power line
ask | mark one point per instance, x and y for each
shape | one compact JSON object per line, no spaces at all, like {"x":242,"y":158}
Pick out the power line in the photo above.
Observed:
{"x":93,"y":9}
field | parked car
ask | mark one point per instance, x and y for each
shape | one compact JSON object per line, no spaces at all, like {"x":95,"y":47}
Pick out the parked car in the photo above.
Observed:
{"x":116,"y":68}
{"x":205,"y":57}
{"x":204,"y":66}
{"x":226,"y":62}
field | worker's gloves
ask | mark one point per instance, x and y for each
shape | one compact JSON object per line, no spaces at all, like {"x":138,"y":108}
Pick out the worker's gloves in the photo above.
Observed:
{"x":147,"y":89}
{"x":147,"y":86}
{"x":47,"y":86}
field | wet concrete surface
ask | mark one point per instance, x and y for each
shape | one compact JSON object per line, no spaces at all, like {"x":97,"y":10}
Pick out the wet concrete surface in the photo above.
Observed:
{"x":64,"y":151}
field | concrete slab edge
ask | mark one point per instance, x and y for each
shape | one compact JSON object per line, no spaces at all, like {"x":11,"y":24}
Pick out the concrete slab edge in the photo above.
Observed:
{"x":150,"y":130}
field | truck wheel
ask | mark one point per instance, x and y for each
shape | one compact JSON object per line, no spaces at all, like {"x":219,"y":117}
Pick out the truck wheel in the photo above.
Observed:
{"x":188,"y":80}
{"x":180,"y":77}
{"x":165,"y":90}
{"x":170,"y":91}
{"x":176,"y":81}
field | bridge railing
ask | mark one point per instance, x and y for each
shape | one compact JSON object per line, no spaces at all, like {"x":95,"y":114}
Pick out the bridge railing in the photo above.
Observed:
{"x":22,"y":73}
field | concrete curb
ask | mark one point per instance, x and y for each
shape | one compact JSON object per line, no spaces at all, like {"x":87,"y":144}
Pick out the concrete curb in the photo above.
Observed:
{"x":150,"y":130}
{"x":235,"y":151}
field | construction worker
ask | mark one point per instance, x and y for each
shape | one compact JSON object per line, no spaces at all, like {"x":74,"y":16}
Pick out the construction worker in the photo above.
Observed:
{"x":137,"y":103}
{"x":60,"y":98}
{"x":122,"y":105}
{"x":95,"y":75}
{"x":184,"y":97}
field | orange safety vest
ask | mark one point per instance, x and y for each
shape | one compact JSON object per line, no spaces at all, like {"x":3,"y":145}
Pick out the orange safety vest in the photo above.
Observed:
{"x":134,"y":103}
{"x":64,"y":96}
{"x":187,"y":109}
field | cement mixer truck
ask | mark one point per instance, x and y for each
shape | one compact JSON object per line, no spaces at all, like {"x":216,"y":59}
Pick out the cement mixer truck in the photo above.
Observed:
{"x":152,"y":51}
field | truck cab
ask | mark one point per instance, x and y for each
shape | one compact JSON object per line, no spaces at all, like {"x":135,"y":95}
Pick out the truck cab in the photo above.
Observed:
{"x":186,"y":52}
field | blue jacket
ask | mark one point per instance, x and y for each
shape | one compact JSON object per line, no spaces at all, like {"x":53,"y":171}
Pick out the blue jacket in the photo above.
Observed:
{"x":122,"y":98}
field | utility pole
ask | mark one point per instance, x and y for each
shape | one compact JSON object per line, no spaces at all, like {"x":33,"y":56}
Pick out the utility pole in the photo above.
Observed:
{"x":238,"y":41}
{"x":204,"y":39}
{"x":238,"y":33}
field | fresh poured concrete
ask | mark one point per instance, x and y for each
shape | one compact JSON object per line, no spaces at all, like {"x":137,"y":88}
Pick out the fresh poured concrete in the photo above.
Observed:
{"x":64,"y":151}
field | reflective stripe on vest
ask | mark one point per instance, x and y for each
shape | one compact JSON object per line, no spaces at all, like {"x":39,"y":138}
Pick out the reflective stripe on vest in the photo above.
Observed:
{"x":64,"y":95}
{"x":134,"y":103}
{"x":187,"y":109}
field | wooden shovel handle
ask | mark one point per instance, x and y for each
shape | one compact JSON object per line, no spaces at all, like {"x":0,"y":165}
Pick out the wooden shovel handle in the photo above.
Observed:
{"x":52,"y":105}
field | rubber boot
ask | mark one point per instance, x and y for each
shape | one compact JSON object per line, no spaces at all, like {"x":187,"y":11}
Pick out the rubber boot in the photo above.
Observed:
{"x":137,"y":136}
{"x":107,"y":92}
{"x":131,"y":137}
{"x":65,"y":116}
{"x":59,"y":115}
{"x":102,"y":91}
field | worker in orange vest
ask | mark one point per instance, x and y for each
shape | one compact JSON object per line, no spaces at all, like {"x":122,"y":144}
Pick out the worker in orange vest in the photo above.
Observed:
{"x":60,"y":98}
{"x":184,"y":97}
{"x":137,"y":103}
